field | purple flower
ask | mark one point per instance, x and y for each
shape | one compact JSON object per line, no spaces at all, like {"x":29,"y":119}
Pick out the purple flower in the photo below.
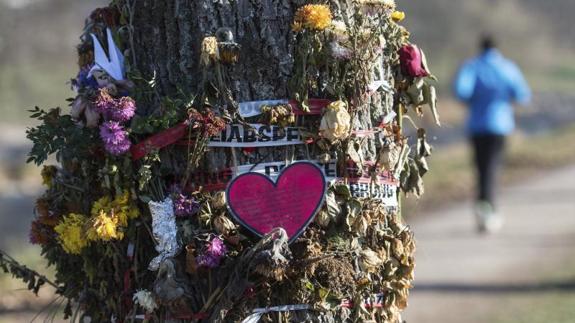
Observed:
{"x":105,"y":103}
{"x":115,"y":138}
{"x":120,"y":110}
{"x":215,"y":251}
{"x":185,"y":206}
{"x":124,"y":109}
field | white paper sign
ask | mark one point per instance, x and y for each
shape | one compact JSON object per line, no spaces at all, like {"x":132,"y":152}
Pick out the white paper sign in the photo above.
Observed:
{"x":259,"y":135}
{"x":383,"y":189}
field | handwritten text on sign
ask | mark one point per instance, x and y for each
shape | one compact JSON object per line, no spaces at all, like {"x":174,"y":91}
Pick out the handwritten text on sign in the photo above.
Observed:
{"x":236,"y":135}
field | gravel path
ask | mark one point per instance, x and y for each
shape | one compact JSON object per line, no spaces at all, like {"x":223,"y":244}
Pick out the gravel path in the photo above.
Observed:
{"x":460,"y":274}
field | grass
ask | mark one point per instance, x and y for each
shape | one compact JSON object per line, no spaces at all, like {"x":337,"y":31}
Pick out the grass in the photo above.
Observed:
{"x":452,"y":177}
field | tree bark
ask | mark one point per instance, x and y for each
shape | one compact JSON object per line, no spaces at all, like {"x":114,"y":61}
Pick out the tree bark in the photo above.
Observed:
{"x":168,"y":35}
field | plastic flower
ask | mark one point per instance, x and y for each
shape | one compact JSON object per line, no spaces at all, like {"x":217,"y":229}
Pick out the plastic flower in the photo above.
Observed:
{"x":104,"y":228}
{"x":313,"y":17}
{"x":213,"y":254}
{"x":115,"y":138}
{"x":336,"y":122}
{"x":398,"y":16}
{"x":146,"y":300}
{"x":70,"y":233}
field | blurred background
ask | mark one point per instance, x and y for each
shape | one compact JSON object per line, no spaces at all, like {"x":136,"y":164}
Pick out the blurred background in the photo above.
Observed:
{"x":38,"y":57}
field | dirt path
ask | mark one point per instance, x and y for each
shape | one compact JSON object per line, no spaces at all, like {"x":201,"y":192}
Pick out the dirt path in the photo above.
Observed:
{"x":460,"y":275}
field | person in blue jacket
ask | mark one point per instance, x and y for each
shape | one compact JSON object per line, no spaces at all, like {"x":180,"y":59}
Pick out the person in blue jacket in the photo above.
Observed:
{"x":489,"y":84}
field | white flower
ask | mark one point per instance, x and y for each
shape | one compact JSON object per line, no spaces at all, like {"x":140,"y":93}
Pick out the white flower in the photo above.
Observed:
{"x":336,"y":122}
{"x":145,"y":299}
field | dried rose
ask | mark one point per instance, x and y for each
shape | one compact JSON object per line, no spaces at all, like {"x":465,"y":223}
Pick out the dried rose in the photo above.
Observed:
{"x":412,"y":62}
{"x":210,"y":51}
{"x":336,"y":122}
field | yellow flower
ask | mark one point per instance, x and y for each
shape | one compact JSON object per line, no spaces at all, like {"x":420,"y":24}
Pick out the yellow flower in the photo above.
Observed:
{"x":121,"y":209}
{"x":71,"y":233}
{"x":398,"y":16}
{"x":48,"y":173}
{"x":104,"y":228}
{"x":313,"y":17}
{"x":336,"y":122}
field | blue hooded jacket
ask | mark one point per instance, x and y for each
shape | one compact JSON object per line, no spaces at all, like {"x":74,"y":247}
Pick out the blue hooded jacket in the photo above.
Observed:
{"x":490,"y":84}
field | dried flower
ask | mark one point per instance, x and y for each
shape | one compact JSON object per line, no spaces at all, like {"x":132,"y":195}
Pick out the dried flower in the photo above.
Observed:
{"x":48,"y":173}
{"x":339,"y":51}
{"x":210,"y":52}
{"x":146,"y":300}
{"x":224,"y":225}
{"x":210,"y":123}
{"x":313,"y":17}
{"x":336,"y":122}
{"x":281,"y":115}
{"x":219,"y":200}
{"x":214,"y":252}
{"x":398,"y":16}
{"x":115,"y":138}
{"x":185,"y":206}
{"x":71,"y":233}
{"x":39,"y":233}
{"x":388,"y":4}
{"x":104,"y":102}
{"x":411,"y":59}
{"x":369,"y":261}
{"x":109,"y":16}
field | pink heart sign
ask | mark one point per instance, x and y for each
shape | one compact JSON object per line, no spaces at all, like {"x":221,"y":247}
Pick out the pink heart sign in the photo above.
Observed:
{"x":290,"y":203}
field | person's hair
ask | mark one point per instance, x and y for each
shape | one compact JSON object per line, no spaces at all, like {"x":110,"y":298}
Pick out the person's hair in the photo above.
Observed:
{"x":487,"y":42}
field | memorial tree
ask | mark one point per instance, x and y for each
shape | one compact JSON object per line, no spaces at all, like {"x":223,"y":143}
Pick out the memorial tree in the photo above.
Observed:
{"x":234,"y":160}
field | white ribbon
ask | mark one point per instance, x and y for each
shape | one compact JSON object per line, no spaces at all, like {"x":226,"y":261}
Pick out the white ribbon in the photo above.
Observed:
{"x":259,"y":312}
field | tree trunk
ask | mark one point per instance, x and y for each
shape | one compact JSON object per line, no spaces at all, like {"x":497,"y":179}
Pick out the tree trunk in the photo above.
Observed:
{"x":168,"y":35}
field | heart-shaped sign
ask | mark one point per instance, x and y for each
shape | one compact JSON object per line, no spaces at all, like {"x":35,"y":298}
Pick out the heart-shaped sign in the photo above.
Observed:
{"x":290,"y":203}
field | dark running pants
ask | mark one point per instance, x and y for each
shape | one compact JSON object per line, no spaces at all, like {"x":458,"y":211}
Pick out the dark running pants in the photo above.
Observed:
{"x":488,"y":152}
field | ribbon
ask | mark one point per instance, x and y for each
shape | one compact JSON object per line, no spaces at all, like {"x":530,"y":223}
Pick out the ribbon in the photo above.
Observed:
{"x":159,"y":140}
{"x":259,"y":312}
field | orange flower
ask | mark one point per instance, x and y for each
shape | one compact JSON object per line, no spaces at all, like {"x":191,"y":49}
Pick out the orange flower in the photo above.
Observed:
{"x":312,"y":16}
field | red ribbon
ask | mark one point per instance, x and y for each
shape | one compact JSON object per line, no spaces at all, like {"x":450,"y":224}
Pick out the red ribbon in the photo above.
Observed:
{"x":316,"y":106}
{"x":173,"y":135}
{"x":159,"y":140}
